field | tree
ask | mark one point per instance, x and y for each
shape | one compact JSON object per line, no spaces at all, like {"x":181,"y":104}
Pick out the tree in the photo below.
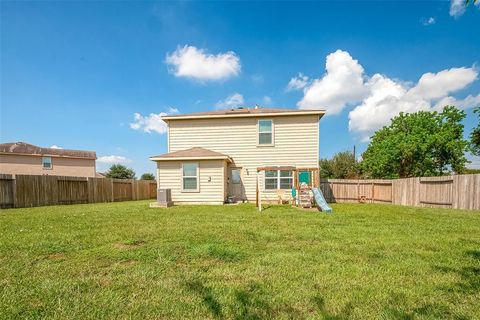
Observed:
{"x":475,"y":135}
{"x":147,"y":176}
{"x":417,"y":144}
{"x":119,"y":171}
{"x":342,"y":166}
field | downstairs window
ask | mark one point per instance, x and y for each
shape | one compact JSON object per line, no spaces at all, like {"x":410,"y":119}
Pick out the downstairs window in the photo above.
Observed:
{"x":278,"y":179}
{"x":190,"y":177}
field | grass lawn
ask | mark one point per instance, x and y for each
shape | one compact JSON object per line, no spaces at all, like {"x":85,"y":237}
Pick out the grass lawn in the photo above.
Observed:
{"x":124,"y":260}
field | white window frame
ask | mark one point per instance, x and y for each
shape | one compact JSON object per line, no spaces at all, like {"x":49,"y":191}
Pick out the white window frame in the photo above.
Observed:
{"x":43,"y":163}
{"x":197,"y":176}
{"x":272,"y":132}
{"x":265,"y":178}
{"x":277,"y":178}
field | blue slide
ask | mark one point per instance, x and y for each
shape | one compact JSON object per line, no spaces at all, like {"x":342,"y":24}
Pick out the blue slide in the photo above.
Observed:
{"x":320,"y":201}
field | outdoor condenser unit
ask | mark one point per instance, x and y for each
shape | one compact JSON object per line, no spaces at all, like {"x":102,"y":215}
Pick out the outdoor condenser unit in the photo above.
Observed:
{"x":164,"y":197}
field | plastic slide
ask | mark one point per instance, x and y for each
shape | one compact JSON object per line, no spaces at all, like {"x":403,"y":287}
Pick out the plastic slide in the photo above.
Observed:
{"x":320,"y":201}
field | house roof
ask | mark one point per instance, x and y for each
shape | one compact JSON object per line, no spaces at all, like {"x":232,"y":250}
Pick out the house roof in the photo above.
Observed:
{"x":244,"y":112}
{"x":195,"y":153}
{"x":30,"y":149}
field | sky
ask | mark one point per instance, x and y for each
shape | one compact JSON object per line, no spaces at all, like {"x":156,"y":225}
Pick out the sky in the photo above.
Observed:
{"x":99,"y":75}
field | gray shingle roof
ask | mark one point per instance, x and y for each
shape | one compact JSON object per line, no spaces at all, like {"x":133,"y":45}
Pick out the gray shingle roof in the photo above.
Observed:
{"x":26,"y":148}
{"x":193,"y":153}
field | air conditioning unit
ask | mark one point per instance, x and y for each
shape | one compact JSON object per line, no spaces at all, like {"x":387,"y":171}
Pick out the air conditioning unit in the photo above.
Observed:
{"x":164,"y":197}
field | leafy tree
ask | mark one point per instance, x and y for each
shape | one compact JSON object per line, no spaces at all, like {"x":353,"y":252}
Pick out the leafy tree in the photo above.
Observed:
{"x":471,"y":171}
{"x":342,"y":166}
{"x":475,"y":135}
{"x":147,"y":176}
{"x":417,"y":144}
{"x":119,"y":171}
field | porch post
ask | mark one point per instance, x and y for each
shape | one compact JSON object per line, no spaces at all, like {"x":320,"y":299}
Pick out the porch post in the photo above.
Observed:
{"x":259,"y":193}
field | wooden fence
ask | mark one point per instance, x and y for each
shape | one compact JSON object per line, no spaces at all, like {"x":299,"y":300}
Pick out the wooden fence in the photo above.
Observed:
{"x":457,"y":192}
{"x":22,"y":191}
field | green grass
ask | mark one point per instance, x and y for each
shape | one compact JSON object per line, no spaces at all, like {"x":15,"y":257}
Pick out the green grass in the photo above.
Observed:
{"x":124,"y":260}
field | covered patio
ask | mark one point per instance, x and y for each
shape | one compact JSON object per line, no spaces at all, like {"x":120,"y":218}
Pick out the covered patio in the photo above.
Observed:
{"x":303,"y":179}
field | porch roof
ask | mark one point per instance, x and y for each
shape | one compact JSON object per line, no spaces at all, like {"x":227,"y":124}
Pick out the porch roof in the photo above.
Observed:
{"x":292,"y":168}
{"x":195,"y":153}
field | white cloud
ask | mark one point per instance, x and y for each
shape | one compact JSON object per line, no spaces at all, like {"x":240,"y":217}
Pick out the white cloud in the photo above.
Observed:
{"x":257,"y":79}
{"x":343,"y":83}
{"x":232,"y":101}
{"x":378,"y":98}
{"x":195,"y":63}
{"x":152,"y":122}
{"x":172,"y":110}
{"x":113,"y":159}
{"x":297,"y":83}
{"x":438,"y":85}
{"x":55,"y":147}
{"x":267,"y":100}
{"x":429,"y":21}
{"x":387,"y":98}
{"x":457,"y":8}
{"x":474,"y":161}
{"x":471,"y":101}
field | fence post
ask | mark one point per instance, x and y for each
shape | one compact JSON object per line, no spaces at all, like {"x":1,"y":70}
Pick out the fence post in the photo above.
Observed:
{"x":14,"y":191}
{"x":373,"y":193}
{"x":391,"y":191}
{"x":113,"y":189}
{"x":134,"y":196}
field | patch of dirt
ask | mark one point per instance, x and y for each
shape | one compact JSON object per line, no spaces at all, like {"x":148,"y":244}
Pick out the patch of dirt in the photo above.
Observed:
{"x":127,"y":263}
{"x":56,"y":256}
{"x":129,"y":245}
{"x":103,"y":282}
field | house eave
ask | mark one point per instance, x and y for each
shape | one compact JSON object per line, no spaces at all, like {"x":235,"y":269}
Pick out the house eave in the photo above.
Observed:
{"x":320,"y":113}
{"x":228,"y":159}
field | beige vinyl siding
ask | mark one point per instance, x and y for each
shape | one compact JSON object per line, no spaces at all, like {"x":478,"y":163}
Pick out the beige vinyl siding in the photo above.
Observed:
{"x":169,"y":174}
{"x":32,"y":164}
{"x":295,"y":143}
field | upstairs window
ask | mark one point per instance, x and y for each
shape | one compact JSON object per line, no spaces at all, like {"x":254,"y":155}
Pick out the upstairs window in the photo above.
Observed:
{"x":47,"y":163}
{"x":265,"y":132}
{"x":190,"y":177}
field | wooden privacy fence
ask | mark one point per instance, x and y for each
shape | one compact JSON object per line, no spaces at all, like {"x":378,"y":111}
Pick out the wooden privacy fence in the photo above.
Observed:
{"x":457,"y":192}
{"x":21,"y":191}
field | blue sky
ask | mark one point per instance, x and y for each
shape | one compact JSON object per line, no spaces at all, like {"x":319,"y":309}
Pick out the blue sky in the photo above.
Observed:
{"x":74,"y":74}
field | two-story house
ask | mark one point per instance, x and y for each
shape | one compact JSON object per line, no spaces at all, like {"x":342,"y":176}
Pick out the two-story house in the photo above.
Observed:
{"x":25,"y":158}
{"x":215,"y":155}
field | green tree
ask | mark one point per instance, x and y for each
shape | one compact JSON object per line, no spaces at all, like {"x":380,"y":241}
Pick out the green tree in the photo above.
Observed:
{"x":417,"y":144}
{"x":119,"y":171}
{"x":475,"y":135}
{"x":147,"y":176}
{"x":342,"y":166}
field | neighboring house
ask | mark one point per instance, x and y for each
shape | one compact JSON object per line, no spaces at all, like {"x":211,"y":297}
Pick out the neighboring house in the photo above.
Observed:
{"x":100,"y":175}
{"x":218,"y":154}
{"x":24,"y":158}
